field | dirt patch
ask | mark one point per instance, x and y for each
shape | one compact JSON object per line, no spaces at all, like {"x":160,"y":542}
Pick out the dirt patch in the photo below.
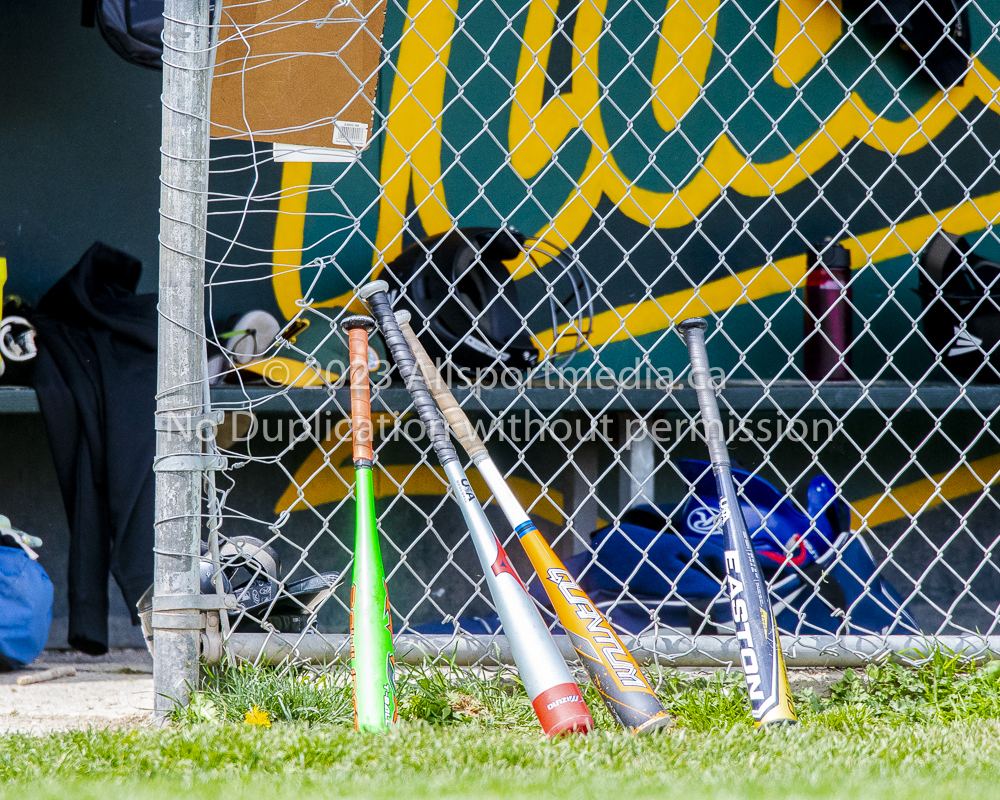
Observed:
{"x":113,"y":690}
{"x":819,"y":680}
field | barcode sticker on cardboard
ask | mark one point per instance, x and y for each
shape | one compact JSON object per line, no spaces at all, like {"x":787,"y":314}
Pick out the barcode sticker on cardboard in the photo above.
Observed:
{"x":351,"y":134}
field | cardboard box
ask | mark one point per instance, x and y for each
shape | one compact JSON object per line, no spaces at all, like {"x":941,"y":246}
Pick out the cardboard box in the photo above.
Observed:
{"x":298,"y":72}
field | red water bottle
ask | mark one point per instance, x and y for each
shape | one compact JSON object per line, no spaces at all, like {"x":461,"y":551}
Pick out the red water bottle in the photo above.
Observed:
{"x":828,"y":319}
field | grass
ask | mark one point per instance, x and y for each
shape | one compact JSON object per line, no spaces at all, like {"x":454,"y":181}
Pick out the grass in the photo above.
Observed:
{"x":419,"y":759}
{"x":887,"y":731}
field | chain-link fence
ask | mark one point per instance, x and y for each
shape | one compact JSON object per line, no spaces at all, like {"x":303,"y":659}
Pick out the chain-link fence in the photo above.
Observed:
{"x":548,"y":187}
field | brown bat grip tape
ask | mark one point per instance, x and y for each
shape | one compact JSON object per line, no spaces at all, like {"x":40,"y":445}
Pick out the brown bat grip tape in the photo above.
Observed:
{"x":361,"y":404}
{"x":442,"y":395}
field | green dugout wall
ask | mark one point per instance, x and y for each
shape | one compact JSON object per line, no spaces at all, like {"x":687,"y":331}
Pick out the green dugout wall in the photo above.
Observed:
{"x":688,"y":154}
{"x":668,"y":155}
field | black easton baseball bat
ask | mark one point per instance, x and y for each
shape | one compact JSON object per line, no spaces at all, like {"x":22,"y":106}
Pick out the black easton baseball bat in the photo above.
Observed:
{"x":756,"y":629}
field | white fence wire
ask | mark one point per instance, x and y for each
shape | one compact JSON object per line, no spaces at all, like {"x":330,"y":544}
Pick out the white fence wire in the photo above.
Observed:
{"x":549,"y":187}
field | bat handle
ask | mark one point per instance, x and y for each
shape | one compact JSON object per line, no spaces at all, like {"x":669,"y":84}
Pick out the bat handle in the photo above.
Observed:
{"x":442,"y":395}
{"x":358,"y":328}
{"x":376,"y":296}
{"x":693,"y":333}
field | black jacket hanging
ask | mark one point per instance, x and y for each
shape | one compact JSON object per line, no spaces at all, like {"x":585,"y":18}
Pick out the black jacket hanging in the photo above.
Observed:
{"x":95,"y":376}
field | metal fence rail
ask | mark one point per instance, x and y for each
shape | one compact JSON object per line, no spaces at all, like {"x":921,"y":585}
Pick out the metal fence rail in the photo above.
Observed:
{"x":686,"y":651}
{"x":780,"y":168}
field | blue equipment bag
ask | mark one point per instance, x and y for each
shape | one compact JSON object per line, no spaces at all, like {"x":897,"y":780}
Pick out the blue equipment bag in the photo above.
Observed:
{"x":25,"y":608}
{"x":665,"y":564}
{"x":822,"y":580}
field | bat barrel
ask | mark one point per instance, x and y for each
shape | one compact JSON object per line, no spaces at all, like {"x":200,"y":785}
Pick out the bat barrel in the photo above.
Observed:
{"x":372,"y":663}
{"x":693,"y":333}
{"x":378,"y":300}
{"x":556,"y":698}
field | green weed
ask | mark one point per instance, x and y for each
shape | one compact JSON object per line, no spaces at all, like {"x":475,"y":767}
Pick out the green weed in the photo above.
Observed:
{"x":943,"y":687}
{"x":451,"y":695}
{"x":288,"y":694}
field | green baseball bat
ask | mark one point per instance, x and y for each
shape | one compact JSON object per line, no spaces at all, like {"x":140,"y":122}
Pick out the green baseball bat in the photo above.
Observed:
{"x":373,"y":665}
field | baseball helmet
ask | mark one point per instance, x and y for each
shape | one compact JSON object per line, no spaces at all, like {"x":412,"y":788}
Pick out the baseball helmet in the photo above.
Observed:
{"x":462,"y":299}
{"x":960,"y":292}
{"x":251,"y":571}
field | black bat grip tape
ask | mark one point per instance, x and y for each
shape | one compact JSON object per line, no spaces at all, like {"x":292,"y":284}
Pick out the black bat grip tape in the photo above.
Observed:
{"x":693,"y":332}
{"x":437,"y":431}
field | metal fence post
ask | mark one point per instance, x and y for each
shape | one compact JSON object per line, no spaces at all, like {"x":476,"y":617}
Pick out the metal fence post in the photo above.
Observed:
{"x":183,"y":216}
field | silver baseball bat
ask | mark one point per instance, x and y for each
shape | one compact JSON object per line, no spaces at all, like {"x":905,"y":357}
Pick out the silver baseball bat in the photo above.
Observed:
{"x":756,"y":628}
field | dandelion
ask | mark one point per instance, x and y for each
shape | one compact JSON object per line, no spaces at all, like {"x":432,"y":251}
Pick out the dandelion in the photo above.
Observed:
{"x":257,"y":716}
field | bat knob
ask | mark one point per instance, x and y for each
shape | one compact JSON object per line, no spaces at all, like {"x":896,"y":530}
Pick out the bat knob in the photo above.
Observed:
{"x":690,"y":325}
{"x":358,"y":321}
{"x":374,"y":287}
{"x":402,"y":316}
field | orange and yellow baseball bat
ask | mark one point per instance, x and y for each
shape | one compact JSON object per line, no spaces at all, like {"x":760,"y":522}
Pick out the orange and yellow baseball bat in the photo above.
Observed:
{"x":613,"y":670}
